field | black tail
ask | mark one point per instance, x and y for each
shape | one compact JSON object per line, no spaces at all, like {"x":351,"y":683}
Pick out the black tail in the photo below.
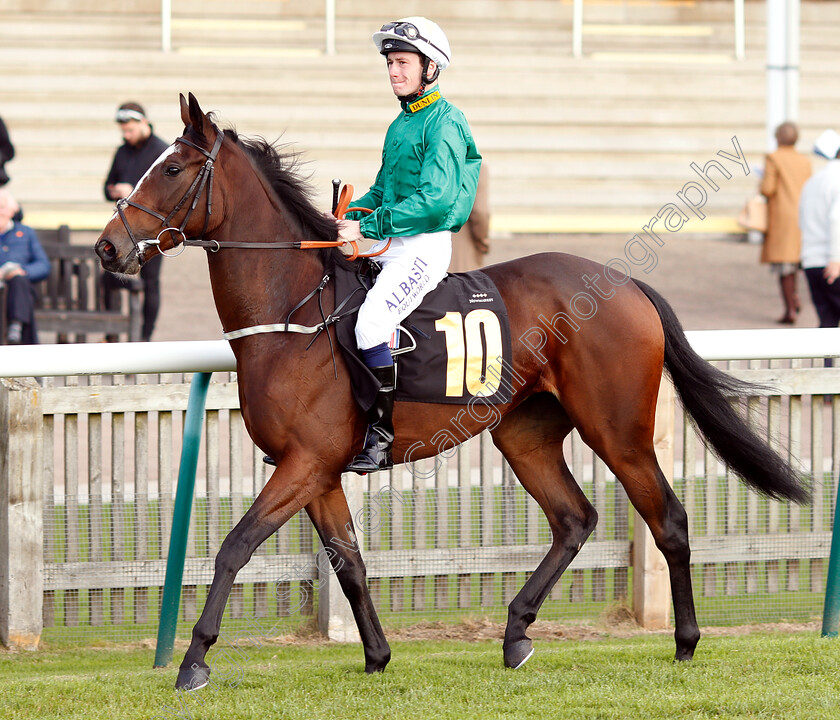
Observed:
{"x":703,"y":390}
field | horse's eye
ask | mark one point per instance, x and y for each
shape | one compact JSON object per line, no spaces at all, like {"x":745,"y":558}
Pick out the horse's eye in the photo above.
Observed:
{"x":171,"y":170}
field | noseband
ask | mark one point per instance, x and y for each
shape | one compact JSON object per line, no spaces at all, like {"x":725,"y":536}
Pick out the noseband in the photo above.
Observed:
{"x":203,"y":180}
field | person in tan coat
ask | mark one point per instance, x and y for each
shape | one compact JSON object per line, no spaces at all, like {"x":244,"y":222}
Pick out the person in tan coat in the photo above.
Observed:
{"x":471,"y":243}
{"x":785,"y":174}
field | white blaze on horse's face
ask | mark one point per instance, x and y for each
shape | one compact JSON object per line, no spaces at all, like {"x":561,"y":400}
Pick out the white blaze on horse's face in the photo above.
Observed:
{"x":165,"y":154}
{"x":171,"y":150}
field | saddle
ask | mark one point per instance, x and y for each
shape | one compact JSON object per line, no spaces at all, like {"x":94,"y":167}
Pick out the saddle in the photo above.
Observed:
{"x":455,"y":348}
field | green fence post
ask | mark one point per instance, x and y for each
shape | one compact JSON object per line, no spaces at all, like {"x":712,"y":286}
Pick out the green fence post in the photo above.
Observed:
{"x":831,"y":611}
{"x":181,"y":519}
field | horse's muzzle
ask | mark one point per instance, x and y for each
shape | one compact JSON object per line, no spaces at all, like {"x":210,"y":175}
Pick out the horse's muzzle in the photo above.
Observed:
{"x":110,"y":258}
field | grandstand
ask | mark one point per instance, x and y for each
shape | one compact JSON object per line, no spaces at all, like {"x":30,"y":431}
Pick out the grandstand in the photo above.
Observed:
{"x":590,"y":144}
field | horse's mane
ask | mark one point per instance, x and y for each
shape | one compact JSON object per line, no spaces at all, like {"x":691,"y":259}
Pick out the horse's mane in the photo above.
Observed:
{"x":282,"y":170}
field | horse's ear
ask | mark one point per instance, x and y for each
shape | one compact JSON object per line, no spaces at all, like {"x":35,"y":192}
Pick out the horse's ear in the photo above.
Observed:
{"x":198,"y":119}
{"x":185,"y":110}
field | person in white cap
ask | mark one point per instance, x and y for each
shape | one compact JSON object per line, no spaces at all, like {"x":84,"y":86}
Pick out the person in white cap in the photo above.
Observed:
{"x":140,"y":148}
{"x":423,"y":192}
{"x":819,"y":220}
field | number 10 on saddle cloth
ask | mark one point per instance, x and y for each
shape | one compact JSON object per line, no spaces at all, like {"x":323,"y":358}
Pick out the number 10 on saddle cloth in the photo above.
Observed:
{"x":463,"y":345}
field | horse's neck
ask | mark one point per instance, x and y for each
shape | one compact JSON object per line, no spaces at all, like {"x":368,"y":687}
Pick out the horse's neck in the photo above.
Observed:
{"x":256,"y":287}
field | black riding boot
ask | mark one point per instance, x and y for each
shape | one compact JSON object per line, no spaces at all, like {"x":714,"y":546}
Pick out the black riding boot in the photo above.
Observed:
{"x":376,"y":454}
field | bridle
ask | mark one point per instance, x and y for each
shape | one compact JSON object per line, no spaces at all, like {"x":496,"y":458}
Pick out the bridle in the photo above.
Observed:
{"x":202,"y":181}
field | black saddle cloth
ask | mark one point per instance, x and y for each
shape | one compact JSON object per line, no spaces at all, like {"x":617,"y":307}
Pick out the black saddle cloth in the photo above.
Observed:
{"x":462,"y":333}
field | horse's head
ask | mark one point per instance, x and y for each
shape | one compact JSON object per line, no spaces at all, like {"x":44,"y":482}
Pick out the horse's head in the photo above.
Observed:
{"x":173,"y":200}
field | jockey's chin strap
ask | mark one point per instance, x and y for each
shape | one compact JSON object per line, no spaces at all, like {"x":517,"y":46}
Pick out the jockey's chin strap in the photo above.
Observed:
{"x":204,"y":179}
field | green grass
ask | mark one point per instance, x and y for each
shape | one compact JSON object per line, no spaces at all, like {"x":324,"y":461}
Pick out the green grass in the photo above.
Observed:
{"x":761,"y":675}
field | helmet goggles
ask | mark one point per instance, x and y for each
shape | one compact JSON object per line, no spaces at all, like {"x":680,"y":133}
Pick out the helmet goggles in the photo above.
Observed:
{"x":410,"y":32}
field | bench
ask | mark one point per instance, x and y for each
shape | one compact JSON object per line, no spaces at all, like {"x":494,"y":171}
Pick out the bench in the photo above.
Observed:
{"x":70,"y":301}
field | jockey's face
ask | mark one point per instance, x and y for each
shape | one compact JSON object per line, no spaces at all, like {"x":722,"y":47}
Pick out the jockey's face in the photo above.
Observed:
{"x":404,"y":71}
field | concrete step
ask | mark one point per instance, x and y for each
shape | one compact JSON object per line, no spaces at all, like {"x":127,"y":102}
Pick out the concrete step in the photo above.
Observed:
{"x":554,"y":186}
{"x":469,"y":11}
{"x":609,"y":135}
{"x":357,"y":140}
{"x":507,"y":165}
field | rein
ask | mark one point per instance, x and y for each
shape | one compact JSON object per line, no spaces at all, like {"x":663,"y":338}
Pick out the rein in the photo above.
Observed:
{"x":204,"y":181}
{"x":342,"y":208}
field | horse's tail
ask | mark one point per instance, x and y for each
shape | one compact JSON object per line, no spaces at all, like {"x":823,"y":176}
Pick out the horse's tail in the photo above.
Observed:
{"x":703,"y":390}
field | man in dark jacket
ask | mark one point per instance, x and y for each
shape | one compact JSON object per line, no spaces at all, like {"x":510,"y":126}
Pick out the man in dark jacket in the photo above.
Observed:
{"x":7,"y":152}
{"x":140,"y":148}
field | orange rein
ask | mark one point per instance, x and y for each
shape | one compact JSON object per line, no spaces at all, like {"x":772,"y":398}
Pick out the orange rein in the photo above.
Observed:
{"x":340,"y":211}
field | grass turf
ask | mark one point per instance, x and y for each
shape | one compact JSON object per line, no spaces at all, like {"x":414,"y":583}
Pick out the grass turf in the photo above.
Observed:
{"x":760,"y":675}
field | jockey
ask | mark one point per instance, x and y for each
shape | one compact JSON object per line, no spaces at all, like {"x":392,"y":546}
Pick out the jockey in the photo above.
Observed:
{"x":423,"y":192}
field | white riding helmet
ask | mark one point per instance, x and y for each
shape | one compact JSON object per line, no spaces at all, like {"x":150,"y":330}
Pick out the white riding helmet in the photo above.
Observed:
{"x":414,"y":34}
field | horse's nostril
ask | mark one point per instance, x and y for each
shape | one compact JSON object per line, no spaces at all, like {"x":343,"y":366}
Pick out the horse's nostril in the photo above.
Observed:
{"x":105,"y":249}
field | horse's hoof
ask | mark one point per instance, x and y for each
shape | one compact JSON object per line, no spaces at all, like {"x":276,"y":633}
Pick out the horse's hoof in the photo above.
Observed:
{"x":377,"y":666}
{"x":686,"y":645}
{"x":519,"y":653}
{"x":192,"y":678}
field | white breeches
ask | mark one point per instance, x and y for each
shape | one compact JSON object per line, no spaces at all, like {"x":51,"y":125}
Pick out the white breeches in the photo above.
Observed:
{"x":411,"y":268}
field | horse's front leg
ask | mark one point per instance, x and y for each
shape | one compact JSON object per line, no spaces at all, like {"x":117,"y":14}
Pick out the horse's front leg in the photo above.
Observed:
{"x":284,"y":495}
{"x":331,"y":517}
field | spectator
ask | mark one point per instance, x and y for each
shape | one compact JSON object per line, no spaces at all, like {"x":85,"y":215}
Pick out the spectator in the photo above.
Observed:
{"x":784,"y":175}
{"x":140,"y":149}
{"x":22,"y":263}
{"x":819,"y":220}
{"x":471,"y":243}
{"x":7,"y":152}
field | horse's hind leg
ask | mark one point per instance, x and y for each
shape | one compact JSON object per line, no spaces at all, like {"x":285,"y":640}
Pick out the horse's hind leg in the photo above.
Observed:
{"x":627,"y":448}
{"x":656,"y":502}
{"x":331,"y":518}
{"x":531,"y":439}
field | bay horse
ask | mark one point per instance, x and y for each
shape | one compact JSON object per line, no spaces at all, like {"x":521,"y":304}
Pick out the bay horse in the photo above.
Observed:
{"x":244,"y":202}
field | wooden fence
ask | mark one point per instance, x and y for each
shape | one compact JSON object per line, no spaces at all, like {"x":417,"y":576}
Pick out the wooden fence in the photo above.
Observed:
{"x":455,"y":538}
{"x":108,"y":511}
